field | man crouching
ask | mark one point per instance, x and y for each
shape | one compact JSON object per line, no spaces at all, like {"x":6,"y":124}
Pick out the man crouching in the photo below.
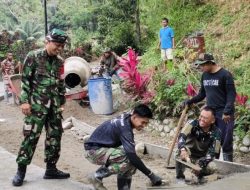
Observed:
{"x":198,"y":143}
{"x":112,"y":146}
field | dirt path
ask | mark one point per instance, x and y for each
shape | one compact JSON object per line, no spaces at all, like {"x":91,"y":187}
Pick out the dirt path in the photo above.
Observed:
{"x":72,"y":158}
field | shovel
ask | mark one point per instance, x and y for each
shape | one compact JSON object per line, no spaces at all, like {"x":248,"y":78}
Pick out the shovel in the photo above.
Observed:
{"x":180,"y":122}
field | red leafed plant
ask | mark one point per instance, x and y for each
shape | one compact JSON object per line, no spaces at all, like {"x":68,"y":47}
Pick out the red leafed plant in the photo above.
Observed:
{"x":241,"y":99}
{"x":191,"y":90}
{"x":170,"y":82}
{"x":134,"y":82}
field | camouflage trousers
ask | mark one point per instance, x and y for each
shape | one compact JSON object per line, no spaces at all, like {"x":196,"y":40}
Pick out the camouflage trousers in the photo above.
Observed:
{"x":113,"y":158}
{"x":33,"y":125}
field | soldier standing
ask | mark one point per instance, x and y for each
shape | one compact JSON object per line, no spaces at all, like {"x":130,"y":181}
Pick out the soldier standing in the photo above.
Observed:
{"x":42,"y":100}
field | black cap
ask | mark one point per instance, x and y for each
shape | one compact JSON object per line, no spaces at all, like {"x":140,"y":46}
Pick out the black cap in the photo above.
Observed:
{"x":204,"y":58}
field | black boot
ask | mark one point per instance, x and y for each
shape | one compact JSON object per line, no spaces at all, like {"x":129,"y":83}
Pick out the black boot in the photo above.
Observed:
{"x":228,"y":157}
{"x":180,"y":168}
{"x":96,"y":178}
{"x":20,"y":174}
{"x":53,"y":173}
{"x":124,"y":182}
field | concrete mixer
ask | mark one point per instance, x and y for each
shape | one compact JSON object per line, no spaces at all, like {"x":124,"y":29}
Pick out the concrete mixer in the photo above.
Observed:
{"x":77,"y":72}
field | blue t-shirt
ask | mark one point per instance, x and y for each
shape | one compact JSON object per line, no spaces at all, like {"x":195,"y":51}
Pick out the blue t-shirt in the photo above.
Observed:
{"x":166,"y":35}
{"x":114,"y":133}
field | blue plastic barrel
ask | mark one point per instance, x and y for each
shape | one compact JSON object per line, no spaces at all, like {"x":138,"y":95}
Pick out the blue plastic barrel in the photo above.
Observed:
{"x":100,"y":95}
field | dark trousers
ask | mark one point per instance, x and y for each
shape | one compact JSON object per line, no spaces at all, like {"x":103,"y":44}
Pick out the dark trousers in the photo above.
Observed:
{"x":226,"y":133}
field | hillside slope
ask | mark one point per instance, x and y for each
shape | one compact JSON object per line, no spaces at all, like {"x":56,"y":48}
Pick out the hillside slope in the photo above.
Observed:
{"x":227,"y":36}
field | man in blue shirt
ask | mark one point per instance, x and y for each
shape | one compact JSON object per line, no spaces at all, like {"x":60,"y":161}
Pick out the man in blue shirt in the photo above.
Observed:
{"x":112,"y":146}
{"x":166,"y":43}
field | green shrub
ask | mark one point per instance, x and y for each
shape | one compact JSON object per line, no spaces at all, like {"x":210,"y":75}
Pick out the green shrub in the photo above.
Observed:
{"x":242,"y":121}
{"x":121,"y":37}
{"x":168,"y":95}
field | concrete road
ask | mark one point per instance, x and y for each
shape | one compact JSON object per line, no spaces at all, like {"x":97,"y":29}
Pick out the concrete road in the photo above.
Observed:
{"x":34,"y":177}
{"x":1,"y":90}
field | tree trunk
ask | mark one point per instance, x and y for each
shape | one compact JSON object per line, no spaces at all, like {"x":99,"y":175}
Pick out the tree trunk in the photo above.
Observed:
{"x":137,"y":23}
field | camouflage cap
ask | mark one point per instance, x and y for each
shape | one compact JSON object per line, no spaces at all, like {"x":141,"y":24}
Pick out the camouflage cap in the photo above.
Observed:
{"x":204,"y":58}
{"x":57,"y":35}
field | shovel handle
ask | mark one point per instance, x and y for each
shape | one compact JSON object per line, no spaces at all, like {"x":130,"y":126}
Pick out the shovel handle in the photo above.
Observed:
{"x":180,"y":122}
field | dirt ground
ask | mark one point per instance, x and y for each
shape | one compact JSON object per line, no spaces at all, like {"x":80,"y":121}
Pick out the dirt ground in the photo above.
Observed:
{"x":72,"y":154}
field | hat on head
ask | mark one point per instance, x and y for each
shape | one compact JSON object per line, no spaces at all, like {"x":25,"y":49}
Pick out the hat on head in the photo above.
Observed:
{"x":57,"y":35}
{"x":204,"y":58}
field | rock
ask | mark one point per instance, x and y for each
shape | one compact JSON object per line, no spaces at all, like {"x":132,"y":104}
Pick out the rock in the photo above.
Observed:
{"x":166,"y":121}
{"x":235,"y":147}
{"x":166,"y":129}
{"x":157,"y":127}
{"x":155,"y":122}
{"x":67,"y":125}
{"x":149,"y":129}
{"x":85,"y":138}
{"x":244,"y":149}
{"x":69,"y":119}
{"x":172,"y":133}
{"x":171,"y":124}
{"x":160,"y":128}
{"x":140,"y":149}
{"x":236,"y":138}
{"x":246,"y":140}
{"x":162,"y":134}
{"x":212,"y":166}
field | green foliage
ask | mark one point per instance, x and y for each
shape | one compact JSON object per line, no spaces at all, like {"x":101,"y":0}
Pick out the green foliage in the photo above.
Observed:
{"x":29,"y":31}
{"x":120,"y":37}
{"x":227,"y":19}
{"x":184,"y":16}
{"x":151,"y":58}
{"x":60,"y":20}
{"x":242,"y":77}
{"x":242,"y":121}
{"x":79,"y":37}
{"x":168,"y":98}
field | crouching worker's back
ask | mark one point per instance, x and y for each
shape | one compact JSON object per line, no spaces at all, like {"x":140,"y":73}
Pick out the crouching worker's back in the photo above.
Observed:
{"x":112,"y":146}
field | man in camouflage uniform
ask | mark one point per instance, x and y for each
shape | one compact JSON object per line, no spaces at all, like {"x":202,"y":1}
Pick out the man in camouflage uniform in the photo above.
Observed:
{"x":199,"y":143}
{"x":42,"y":98}
{"x":112,"y":146}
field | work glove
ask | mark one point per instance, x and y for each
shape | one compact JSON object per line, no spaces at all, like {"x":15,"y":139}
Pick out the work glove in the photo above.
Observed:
{"x":155,"y":180}
{"x":101,"y":71}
